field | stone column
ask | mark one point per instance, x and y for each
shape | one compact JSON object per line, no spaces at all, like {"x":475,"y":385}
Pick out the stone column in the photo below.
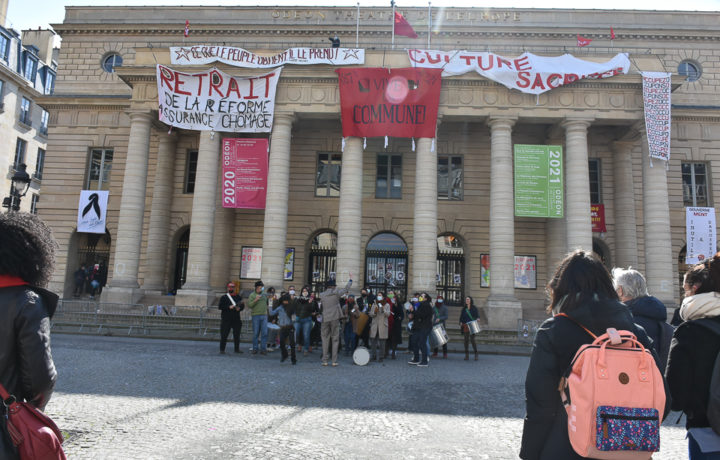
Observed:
{"x":196,"y":290}
{"x":222,"y":244}
{"x":350,"y":214}
{"x":659,"y":272}
{"x":124,"y":287}
{"x":424,"y":246}
{"x":579,"y":224}
{"x":159,"y":227}
{"x":503,"y":309}
{"x":626,"y":248}
{"x":276,"y":204}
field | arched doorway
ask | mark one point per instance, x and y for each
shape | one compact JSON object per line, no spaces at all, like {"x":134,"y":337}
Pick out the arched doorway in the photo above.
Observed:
{"x":93,"y":251}
{"x":450,"y":270}
{"x":386,"y":258}
{"x":322,"y":261}
{"x":181,"y":260}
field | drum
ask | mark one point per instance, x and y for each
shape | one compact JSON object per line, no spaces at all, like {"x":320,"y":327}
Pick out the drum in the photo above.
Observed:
{"x":438,"y":336}
{"x":361,"y":356}
{"x":361,"y":323}
{"x":474,"y":327}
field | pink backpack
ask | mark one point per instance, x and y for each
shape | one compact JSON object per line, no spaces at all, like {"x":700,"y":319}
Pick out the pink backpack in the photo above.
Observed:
{"x":614,"y":396}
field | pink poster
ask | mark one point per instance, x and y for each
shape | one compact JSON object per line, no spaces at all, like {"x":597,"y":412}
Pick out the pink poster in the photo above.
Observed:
{"x":245,"y":169}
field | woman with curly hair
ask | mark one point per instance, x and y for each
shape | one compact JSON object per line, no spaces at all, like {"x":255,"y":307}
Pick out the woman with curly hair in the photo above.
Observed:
{"x":27,"y":259}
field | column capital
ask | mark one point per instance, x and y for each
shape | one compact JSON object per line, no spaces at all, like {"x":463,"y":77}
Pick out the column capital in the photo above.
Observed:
{"x":140,"y":115}
{"x":501,"y":121}
{"x":622,"y":146}
{"x":576,"y":123}
{"x":284,"y":117}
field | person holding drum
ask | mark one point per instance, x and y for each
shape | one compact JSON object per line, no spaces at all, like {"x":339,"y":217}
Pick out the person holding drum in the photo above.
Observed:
{"x":379,"y":312}
{"x":440,"y":315}
{"x":469,"y":314}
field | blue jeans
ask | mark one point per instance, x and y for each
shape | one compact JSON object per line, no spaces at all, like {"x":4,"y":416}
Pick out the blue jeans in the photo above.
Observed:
{"x":694,"y":452}
{"x":421,"y":345}
{"x":304,"y":326}
{"x":349,"y":337}
{"x":259,"y":323}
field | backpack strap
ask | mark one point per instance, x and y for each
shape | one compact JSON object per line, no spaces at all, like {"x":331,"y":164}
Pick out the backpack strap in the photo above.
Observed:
{"x":576,"y":322}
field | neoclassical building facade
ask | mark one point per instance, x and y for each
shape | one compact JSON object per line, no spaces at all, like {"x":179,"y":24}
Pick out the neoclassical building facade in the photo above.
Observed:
{"x":408,"y":215}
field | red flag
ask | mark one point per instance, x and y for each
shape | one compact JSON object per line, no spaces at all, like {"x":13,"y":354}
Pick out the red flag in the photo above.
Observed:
{"x":187,"y":28}
{"x":582,"y":41}
{"x":612,"y":34}
{"x":402,"y":27}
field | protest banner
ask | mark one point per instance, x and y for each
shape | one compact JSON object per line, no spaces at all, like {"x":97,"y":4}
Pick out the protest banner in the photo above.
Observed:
{"x":538,"y":181}
{"x":700,"y":234}
{"x":527,"y":73}
{"x":389,"y":102}
{"x":656,"y":98}
{"x":597,"y":218}
{"x":92,"y":211}
{"x":244,"y":173}
{"x":238,"y":57}
{"x":215,"y":101}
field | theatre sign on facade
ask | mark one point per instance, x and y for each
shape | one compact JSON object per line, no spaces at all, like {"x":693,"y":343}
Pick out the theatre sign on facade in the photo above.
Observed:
{"x":413,"y":211}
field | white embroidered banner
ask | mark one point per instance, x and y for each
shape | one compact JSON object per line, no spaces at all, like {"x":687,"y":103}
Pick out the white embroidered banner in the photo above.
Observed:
{"x":206,"y":54}
{"x":92,"y":211}
{"x":527,"y":73}
{"x":215,"y":101}
{"x":701,"y":234}
{"x":656,"y":96}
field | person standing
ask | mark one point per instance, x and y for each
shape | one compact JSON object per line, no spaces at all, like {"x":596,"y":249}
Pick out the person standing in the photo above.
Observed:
{"x":230,"y":306}
{"x":422,"y":324}
{"x":398,"y":314}
{"x":80,"y":277}
{"x":349,"y":337}
{"x":285,"y":312}
{"x":330,"y":326}
{"x":693,"y":353}
{"x":27,"y":261}
{"x":364,"y":302}
{"x":258,"y":303}
{"x":468,"y":314}
{"x":440,"y":315}
{"x":379,"y":312}
{"x":304,"y":308}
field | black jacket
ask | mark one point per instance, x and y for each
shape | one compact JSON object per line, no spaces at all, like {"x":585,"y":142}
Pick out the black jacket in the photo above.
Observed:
{"x":692,"y":355}
{"x":26,"y":366}
{"x":649,"y":313}
{"x":422,"y":317}
{"x":228,"y":314}
{"x":545,"y":432}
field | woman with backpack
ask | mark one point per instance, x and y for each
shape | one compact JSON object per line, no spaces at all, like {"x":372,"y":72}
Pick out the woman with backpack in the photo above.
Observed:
{"x":582,"y":291}
{"x":693,"y":356}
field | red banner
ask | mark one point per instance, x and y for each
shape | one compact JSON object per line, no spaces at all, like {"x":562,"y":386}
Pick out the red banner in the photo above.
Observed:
{"x":389,"y":102}
{"x":245,"y":169}
{"x":597,"y":216}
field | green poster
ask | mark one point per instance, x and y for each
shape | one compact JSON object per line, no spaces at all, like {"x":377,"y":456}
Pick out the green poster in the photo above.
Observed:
{"x":538,"y":181}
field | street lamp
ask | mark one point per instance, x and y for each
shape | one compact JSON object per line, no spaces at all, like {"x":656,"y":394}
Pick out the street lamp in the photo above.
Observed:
{"x":18,"y":188}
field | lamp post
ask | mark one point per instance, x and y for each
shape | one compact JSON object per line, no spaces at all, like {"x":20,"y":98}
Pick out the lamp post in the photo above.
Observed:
{"x":18,"y":188}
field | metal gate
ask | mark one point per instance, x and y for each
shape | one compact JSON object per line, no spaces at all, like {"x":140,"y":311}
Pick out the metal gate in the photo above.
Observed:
{"x":386,"y":270}
{"x":322,"y":267}
{"x":181,"y":259}
{"x":450,"y":282}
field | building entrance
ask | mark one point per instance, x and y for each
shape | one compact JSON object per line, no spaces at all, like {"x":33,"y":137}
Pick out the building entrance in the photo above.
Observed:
{"x":386,"y":258}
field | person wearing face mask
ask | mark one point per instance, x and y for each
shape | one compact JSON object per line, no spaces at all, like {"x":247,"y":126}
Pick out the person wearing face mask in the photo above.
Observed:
{"x":230,"y":306}
{"x":258,"y":303}
{"x":422,"y":324}
{"x":349,"y":336}
{"x":379,"y":312}
{"x":440,"y":315}
{"x":397,"y":315}
{"x":304,"y":308}
{"x":285,"y":313}
{"x":364,"y":303}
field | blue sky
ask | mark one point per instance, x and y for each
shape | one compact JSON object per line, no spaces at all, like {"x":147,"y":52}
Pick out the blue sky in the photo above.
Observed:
{"x":30,"y":14}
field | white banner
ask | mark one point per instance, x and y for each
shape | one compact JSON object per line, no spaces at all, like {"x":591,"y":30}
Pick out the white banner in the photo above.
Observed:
{"x":701,"y":234}
{"x":527,"y":73}
{"x":92,"y":211}
{"x":215,"y":101}
{"x":206,"y":54}
{"x":656,"y":96}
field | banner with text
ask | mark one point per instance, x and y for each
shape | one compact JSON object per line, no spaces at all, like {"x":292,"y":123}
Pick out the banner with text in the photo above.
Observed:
{"x":656,"y":96}
{"x":92,"y":211}
{"x":389,"y":102}
{"x":206,"y":54}
{"x":527,"y":73}
{"x":539,"y":181}
{"x":525,"y":271}
{"x":701,"y":234}
{"x":251,"y":263}
{"x":215,"y":101}
{"x":244,"y":173}
{"x":597,"y":217}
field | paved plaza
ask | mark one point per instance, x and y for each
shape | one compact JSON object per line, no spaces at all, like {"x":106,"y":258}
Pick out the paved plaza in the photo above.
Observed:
{"x":125,"y":398}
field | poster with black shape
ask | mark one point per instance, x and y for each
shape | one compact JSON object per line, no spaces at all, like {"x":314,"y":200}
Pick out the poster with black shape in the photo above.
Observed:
{"x":215,"y":101}
{"x":376,"y":102}
{"x":92,"y":211}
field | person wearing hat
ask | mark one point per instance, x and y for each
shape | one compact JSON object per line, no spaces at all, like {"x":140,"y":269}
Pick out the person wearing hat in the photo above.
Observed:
{"x":331,"y":314}
{"x":258,"y":303}
{"x":230,"y":305}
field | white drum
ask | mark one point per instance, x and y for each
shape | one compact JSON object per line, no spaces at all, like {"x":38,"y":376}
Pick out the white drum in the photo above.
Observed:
{"x":474,"y":327}
{"x":361,"y":356}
